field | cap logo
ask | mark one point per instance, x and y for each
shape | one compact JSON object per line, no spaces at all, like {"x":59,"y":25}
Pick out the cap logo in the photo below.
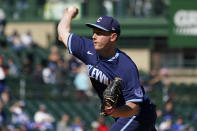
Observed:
{"x":99,"y":19}
{"x":113,"y":28}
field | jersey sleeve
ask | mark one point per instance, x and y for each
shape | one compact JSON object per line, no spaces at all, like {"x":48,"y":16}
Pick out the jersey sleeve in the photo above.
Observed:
{"x":132,"y":90}
{"x":78,"y":46}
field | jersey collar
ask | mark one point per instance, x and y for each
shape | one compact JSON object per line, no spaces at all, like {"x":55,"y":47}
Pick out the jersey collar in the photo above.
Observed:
{"x":113,"y":59}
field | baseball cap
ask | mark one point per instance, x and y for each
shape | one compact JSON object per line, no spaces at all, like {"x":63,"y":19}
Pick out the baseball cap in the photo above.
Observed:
{"x":106,"y":23}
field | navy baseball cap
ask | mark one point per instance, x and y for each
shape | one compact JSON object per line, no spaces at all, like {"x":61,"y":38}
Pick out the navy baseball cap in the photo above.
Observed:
{"x":106,"y":23}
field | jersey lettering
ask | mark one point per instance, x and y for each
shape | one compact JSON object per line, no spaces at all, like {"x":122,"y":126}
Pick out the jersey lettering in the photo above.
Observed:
{"x":97,"y":74}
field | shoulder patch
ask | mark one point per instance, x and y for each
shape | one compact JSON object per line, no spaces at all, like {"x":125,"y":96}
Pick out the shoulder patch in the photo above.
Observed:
{"x":138,"y":92}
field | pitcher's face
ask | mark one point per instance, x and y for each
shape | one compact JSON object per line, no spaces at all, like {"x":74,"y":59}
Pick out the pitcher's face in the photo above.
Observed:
{"x":101,"y":39}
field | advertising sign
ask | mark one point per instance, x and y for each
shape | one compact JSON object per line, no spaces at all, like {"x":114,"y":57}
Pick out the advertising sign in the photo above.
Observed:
{"x":55,"y":10}
{"x":183,"y":23}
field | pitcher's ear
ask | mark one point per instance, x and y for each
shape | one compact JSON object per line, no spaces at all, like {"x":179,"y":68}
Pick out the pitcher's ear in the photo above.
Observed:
{"x":114,"y":37}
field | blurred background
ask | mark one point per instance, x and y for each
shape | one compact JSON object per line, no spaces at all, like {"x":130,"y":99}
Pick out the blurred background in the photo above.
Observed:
{"x":43,"y":88}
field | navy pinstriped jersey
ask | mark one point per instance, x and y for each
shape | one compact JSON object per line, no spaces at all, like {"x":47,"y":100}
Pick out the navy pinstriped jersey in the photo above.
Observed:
{"x":102,"y":71}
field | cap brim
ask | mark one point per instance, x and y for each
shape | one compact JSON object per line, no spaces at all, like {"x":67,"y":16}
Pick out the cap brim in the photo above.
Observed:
{"x":96,"y":26}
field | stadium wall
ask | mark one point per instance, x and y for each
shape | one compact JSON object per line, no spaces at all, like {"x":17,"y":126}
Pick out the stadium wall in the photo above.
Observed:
{"x":44,"y":33}
{"x":141,"y":57}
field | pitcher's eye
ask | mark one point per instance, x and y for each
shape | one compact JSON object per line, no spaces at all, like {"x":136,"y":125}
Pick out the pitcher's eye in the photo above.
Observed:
{"x":97,"y":33}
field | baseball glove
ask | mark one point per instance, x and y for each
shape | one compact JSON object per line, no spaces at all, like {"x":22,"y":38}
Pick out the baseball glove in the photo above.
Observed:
{"x":110,"y":97}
